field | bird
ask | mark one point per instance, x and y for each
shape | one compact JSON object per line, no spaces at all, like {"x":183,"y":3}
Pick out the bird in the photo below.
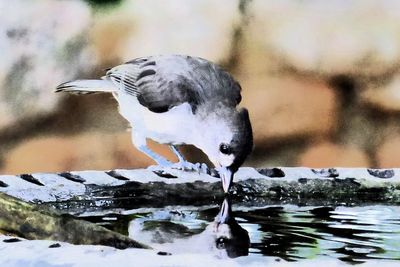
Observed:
{"x":179,"y":100}
{"x":223,"y":238}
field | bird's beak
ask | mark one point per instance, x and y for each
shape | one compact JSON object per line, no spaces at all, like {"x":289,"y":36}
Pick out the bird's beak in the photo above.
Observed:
{"x":226,"y":178}
{"x":225,"y":212}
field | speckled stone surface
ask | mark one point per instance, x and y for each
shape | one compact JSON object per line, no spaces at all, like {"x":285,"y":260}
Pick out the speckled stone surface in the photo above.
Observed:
{"x":148,"y":187}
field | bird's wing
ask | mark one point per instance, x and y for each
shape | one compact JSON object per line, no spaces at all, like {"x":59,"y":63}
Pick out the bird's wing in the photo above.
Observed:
{"x":162,"y":82}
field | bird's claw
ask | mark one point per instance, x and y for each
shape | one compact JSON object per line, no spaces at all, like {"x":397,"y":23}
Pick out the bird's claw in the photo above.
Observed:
{"x":194,"y":167}
{"x":183,"y":166}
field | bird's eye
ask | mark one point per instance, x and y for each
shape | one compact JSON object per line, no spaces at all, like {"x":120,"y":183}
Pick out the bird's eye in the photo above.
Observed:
{"x":220,"y":243}
{"x":225,"y":149}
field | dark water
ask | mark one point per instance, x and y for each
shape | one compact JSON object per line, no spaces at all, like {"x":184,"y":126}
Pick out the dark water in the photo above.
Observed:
{"x":349,"y":234}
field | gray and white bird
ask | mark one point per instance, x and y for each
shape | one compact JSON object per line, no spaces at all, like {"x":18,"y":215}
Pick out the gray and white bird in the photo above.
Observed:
{"x":175,"y":100}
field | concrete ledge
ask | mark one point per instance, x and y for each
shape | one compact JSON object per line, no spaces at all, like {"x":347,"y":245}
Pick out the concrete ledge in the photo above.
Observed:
{"x":144,"y":187}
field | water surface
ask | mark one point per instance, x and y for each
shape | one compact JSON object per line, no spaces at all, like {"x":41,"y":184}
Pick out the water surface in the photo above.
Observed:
{"x":290,"y":233}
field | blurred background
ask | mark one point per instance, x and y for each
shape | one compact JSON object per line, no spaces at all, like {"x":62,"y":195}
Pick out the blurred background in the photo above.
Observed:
{"x":321,"y":79}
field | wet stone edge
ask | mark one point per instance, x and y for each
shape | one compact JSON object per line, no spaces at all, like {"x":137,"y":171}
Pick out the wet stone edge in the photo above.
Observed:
{"x":253,"y":191}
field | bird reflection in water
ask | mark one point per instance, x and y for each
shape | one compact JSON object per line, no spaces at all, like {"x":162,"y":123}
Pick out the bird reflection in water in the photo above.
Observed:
{"x":223,"y":237}
{"x":229,"y":235}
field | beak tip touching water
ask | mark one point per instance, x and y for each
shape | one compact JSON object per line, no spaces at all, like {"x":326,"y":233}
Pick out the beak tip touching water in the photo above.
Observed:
{"x":226,"y":178}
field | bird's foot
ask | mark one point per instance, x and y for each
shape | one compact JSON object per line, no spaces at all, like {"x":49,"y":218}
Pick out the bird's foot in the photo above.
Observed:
{"x":188,"y":166}
{"x":182,"y":166}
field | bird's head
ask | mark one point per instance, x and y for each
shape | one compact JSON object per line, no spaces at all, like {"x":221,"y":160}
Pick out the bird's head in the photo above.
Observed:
{"x":230,"y":143}
{"x":228,"y":234}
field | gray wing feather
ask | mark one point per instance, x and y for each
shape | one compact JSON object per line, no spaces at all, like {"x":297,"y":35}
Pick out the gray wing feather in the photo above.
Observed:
{"x":162,"y":82}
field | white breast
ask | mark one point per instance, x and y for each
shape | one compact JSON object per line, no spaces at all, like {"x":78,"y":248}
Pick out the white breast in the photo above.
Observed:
{"x":175,"y":126}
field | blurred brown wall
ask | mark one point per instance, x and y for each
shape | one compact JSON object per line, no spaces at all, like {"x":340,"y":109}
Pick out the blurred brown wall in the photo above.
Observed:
{"x":320,"y":78}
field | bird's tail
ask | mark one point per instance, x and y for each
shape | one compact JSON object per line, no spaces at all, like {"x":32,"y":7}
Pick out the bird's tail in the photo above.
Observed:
{"x":87,"y":87}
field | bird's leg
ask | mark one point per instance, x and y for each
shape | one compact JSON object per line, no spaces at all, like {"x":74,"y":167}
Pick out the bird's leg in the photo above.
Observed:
{"x":140,"y":143}
{"x":177,"y":153}
{"x":160,"y":160}
{"x":186,"y":165}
